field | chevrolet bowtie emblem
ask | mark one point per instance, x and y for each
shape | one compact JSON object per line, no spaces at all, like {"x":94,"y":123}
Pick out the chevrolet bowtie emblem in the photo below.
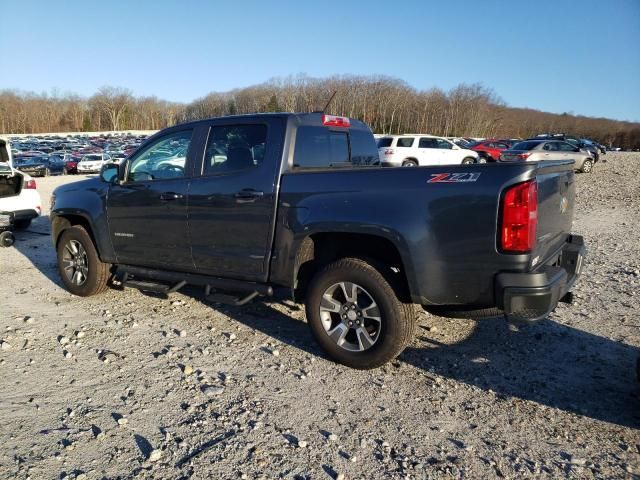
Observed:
{"x":564,"y":204}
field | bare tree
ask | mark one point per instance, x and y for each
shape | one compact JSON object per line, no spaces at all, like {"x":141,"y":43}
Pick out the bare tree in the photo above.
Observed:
{"x":113,"y":102}
{"x":388,"y":105}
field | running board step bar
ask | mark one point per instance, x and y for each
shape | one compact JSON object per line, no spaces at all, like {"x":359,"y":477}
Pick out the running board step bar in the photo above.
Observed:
{"x":148,"y":286}
{"x":149,"y":279}
{"x":228,"y":299}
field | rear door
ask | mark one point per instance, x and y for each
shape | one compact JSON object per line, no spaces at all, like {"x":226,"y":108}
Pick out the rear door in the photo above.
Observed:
{"x":148,"y":211}
{"x":429,"y":152}
{"x":232,"y":198}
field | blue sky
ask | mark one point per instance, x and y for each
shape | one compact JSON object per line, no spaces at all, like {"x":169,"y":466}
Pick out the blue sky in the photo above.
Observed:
{"x":579,"y":56}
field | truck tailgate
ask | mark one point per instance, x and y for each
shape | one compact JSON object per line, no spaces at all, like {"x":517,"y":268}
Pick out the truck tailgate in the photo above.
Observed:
{"x":556,"y":200}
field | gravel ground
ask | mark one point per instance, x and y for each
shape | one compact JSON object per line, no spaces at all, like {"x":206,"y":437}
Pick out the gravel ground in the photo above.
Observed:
{"x":123,"y":385}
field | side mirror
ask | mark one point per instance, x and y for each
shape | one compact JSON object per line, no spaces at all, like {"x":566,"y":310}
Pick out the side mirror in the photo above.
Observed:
{"x":110,"y":173}
{"x":455,"y":147}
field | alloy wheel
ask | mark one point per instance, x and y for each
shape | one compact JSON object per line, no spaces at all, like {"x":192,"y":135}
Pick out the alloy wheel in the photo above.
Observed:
{"x":76,"y":265}
{"x":350,"y":316}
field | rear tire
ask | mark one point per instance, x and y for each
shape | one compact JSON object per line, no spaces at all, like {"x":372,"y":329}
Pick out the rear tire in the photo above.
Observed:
{"x":384,"y":339}
{"x":409,"y":163}
{"x":80,"y":267}
{"x":587,"y":166}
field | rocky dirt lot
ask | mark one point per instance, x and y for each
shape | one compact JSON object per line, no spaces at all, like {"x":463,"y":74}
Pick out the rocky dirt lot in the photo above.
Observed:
{"x":123,"y":385}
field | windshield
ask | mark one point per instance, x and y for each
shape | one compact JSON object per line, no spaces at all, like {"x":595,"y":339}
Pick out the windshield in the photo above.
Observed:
{"x":91,"y":158}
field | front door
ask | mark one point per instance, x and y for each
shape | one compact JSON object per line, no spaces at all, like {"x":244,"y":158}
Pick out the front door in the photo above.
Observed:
{"x":232,"y":203}
{"x":148,"y":211}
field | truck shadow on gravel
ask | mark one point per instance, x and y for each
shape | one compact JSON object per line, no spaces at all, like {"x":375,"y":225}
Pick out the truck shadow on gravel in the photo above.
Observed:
{"x":35,"y":244}
{"x":552,"y":364}
{"x":555,"y":365}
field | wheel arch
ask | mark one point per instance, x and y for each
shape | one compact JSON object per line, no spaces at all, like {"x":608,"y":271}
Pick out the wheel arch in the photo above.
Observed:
{"x":60,"y":223}
{"x":321,"y":248}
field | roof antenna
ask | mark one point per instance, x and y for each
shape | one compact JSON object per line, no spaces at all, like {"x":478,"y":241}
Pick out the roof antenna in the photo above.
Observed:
{"x":330,"y":100}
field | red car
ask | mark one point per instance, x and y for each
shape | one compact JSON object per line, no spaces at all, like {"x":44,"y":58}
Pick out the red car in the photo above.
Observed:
{"x":71,"y":165}
{"x":492,"y":148}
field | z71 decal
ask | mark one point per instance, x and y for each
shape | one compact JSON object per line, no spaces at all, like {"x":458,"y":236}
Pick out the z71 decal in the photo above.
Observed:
{"x":453,"y":177}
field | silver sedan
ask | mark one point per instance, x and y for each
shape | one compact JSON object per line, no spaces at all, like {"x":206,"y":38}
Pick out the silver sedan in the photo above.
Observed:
{"x":537,"y":150}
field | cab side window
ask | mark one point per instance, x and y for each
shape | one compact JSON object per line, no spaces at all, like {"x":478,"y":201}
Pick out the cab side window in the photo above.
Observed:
{"x":164,"y":159}
{"x":232,"y":148}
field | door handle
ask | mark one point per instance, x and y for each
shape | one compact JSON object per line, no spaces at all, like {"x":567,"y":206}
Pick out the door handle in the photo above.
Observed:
{"x":170,"y":196}
{"x":248,"y":195}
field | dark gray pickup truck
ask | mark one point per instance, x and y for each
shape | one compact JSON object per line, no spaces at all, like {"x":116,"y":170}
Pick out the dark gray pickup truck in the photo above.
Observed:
{"x":298,"y":203}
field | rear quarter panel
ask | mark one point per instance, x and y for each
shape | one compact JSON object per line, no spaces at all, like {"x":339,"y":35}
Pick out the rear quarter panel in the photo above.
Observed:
{"x":445,"y":231}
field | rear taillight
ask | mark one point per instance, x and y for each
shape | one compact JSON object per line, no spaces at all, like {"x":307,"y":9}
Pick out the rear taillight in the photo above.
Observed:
{"x":519,"y":218}
{"x":30,"y":184}
{"x":388,"y":151}
{"x":335,"y":121}
{"x":523,"y":156}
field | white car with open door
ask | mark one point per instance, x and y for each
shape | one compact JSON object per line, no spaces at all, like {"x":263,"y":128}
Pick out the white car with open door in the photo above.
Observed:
{"x":18,"y":192}
{"x":420,"y":150}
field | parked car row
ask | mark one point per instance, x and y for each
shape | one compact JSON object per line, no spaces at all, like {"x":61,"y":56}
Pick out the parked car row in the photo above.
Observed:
{"x":56,"y":155}
{"x":411,"y":150}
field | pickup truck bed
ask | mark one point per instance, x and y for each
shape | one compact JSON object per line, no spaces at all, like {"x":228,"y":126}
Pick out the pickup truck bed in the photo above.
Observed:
{"x":298,"y":203}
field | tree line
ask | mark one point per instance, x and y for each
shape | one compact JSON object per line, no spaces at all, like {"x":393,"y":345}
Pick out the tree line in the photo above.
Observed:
{"x":388,"y":105}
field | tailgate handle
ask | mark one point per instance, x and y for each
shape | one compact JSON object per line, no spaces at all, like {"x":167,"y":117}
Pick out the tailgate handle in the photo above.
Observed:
{"x":170,"y":196}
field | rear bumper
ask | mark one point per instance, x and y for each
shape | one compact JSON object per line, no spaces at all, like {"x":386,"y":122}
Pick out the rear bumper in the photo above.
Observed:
{"x":532,"y":296}
{"x":27,"y":214}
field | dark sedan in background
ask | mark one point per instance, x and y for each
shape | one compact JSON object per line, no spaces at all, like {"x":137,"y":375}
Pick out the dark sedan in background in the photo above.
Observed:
{"x":41,"y":166}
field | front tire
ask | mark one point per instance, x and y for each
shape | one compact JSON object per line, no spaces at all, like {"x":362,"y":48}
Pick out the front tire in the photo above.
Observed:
{"x":587,"y":166}
{"x":468,"y":160}
{"x":80,"y":267}
{"x":356,"y":316}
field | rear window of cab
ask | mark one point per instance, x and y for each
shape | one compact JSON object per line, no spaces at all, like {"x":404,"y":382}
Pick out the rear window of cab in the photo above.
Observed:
{"x":320,"y":147}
